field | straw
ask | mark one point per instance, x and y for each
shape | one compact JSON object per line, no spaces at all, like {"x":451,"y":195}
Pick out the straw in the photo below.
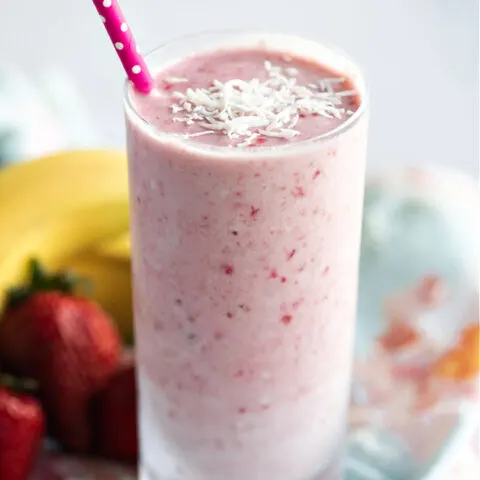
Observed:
{"x":125,"y":45}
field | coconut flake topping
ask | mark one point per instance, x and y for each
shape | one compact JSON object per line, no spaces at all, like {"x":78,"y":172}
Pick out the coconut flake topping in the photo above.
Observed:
{"x":247,"y":110}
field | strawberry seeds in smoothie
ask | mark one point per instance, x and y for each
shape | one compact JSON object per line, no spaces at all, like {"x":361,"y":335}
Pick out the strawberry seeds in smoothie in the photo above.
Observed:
{"x":246,"y":176}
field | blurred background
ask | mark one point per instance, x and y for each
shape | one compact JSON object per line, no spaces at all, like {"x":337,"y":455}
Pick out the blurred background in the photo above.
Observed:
{"x":421,"y":59}
{"x":417,"y":365}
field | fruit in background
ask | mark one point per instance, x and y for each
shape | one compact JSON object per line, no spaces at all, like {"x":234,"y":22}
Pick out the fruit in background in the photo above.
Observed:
{"x":22,"y":426}
{"x":58,"y":206}
{"x":71,"y":348}
{"x":55,"y":241}
{"x":108,"y":266}
{"x":398,"y":335}
{"x":462,"y":361}
{"x":111,"y":287}
{"x":50,"y":186}
{"x":17,"y":340}
{"x":114,"y":415}
{"x":82,"y":351}
{"x":118,"y":248}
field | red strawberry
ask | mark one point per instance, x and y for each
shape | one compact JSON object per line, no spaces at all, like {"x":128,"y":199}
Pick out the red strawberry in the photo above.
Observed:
{"x":17,"y":343}
{"x":66,"y":343}
{"x":21,"y":431}
{"x":78,"y":350}
{"x":114,"y":416}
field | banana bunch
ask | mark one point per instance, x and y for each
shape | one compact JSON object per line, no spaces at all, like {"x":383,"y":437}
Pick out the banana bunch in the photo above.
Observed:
{"x":70,"y":211}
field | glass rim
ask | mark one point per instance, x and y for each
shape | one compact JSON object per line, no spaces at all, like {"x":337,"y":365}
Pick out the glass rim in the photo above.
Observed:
{"x":159,"y":134}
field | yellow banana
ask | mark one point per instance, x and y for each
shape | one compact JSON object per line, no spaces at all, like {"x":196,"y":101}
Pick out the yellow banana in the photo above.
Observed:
{"x":33,"y":194}
{"x":111,"y":287}
{"x":59,"y":238}
{"x":117,"y":248}
{"x":57,"y":207}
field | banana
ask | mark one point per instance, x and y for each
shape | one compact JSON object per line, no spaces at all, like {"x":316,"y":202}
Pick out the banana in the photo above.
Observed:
{"x":111,"y":287}
{"x":118,"y":248}
{"x":62,"y":237}
{"x":57,"y":209}
{"x":36,"y":192}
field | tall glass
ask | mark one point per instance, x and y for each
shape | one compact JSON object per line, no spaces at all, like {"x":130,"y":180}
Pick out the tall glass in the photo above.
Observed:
{"x":245,"y":280}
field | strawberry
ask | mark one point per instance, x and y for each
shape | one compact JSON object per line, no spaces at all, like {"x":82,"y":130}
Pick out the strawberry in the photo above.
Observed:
{"x":70,"y":346}
{"x":21,"y":430}
{"x":17,"y":344}
{"x":78,"y":350}
{"x":114,"y":416}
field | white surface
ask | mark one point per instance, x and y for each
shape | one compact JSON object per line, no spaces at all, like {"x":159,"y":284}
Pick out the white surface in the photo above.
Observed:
{"x":421,"y":59}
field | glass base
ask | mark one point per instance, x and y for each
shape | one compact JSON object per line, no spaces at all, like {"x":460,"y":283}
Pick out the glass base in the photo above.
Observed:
{"x":333,"y":472}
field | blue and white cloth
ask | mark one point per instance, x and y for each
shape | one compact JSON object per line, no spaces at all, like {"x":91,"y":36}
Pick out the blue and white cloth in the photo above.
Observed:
{"x":40,"y":115}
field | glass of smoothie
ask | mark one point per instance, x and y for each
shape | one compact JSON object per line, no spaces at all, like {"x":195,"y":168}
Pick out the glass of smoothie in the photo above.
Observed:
{"x":246,"y":180}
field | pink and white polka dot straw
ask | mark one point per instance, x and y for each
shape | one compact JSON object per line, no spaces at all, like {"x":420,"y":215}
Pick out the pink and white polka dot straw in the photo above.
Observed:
{"x":125,"y":45}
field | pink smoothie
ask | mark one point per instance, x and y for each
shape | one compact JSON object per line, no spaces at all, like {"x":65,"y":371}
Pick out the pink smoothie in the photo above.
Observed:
{"x":246,"y":176}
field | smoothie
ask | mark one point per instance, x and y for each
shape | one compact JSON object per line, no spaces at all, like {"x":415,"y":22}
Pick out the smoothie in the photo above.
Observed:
{"x":246,"y":178}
